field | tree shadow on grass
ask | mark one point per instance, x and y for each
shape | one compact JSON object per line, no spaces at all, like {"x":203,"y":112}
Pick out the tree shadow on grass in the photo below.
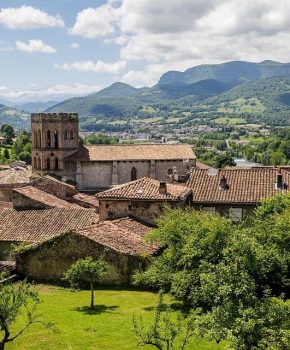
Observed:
{"x":171,"y":308}
{"x":97,"y":310}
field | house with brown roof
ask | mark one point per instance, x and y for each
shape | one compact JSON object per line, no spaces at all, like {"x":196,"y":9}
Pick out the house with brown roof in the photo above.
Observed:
{"x":236,"y":191}
{"x":120,"y":242}
{"x":144,"y":198}
{"x":13,"y":178}
{"x":56,"y":150}
{"x":33,"y":226}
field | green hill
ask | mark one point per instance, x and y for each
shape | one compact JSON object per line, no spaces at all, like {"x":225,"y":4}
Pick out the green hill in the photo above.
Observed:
{"x":234,"y":71}
{"x":19,"y":120}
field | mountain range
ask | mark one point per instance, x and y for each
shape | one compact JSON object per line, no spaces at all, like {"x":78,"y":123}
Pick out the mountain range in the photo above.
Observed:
{"x":255,"y":90}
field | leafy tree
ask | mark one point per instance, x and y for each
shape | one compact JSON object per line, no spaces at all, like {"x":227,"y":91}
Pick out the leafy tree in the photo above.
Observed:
{"x":233,"y":273}
{"x":8,"y":132}
{"x":164,"y":333}
{"x":13,"y":300}
{"x":86,"y":271}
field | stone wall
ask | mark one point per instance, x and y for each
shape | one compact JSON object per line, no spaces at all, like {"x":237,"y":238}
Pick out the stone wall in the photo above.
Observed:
{"x":55,"y":187}
{"x":49,"y":260}
{"x":145,"y":210}
{"x":223,"y":209}
{"x":21,"y":202}
{"x":102,"y":175}
{"x":5,"y":194}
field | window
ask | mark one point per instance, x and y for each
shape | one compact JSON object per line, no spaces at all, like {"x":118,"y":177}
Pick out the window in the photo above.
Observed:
{"x":66,"y":135}
{"x":39,"y":164}
{"x":133,"y":174}
{"x":209,"y":209}
{"x":71,"y":135}
{"x":235,"y":214}
{"x":34,"y":163}
{"x":56,"y":163}
{"x":48,"y":135}
{"x":169,"y":171}
{"x":47,"y":163}
{"x":55,"y":139}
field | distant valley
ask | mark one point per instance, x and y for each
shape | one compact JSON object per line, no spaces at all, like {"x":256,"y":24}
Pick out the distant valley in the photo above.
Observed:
{"x":252,"y":92}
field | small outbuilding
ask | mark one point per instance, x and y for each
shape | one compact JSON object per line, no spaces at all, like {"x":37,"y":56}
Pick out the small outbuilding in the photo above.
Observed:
{"x":120,"y":242}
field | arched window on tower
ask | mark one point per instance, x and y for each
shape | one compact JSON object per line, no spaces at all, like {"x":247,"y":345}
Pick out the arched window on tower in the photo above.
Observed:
{"x":34,"y":164}
{"x":71,"y":135}
{"x":34,"y":139}
{"x":38,"y":163}
{"x":66,"y":135}
{"x":56,"y":163}
{"x":55,"y":139}
{"x":48,"y":139}
{"x":133,"y":174}
{"x":48,"y":163}
{"x":39,"y":139}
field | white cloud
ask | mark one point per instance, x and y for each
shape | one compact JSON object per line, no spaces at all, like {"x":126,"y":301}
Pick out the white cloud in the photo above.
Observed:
{"x":75,"y":46}
{"x":96,"y":67}
{"x":96,"y":22}
{"x":34,"y":46}
{"x":28,"y":17}
{"x":56,"y":92}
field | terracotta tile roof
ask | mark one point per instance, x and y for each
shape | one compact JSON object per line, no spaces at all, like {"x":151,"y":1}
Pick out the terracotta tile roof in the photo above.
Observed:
{"x":15,"y":176}
{"x":245,"y":185}
{"x":49,"y":200}
{"x":145,"y":189}
{"x":5,"y":205}
{"x":86,"y":199}
{"x":38,"y":225}
{"x":133,"y":152}
{"x":123,"y":235}
{"x":201,"y":165}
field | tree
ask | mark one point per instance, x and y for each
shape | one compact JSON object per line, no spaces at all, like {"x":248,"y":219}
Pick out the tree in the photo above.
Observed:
{"x":8,"y":132}
{"x":232,"y":273}
{"x":86,"y":271}
{"x":13,"y":300}
{"x":164,"y":333}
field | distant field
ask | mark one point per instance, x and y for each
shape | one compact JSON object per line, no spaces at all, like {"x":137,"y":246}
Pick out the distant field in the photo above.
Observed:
{"x":148,"y":109}
{"x":253,"y":139}
{"x":241,"y":105}
{"x":150,"y":120}
{"x":118,"y":122}
{"x":231,"y":121}
{"x":109,"y":327}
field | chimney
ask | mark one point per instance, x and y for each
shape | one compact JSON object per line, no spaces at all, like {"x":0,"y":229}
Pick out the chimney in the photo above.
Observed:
{"x":162,"y":187}
{"x":223,"y":183}
{"x":280,"y":184}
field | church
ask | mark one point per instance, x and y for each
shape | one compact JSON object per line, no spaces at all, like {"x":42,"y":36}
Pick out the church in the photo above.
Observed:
{"x":57,"y":150}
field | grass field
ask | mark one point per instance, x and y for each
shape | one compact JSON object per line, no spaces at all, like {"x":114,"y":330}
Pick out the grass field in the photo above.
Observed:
{"x":231,"y":121}
{"x":241,"y":105}
{"x":109,"y":327}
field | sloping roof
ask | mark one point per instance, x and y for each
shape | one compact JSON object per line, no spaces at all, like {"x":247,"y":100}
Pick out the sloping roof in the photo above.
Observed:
{"x":145,"y":189}
{"x":83,"y":198}
{"x":201,"y":165}
{"x":245,"y":185}
{"x":123,"y":235}
{"x":132,"y":152}
{"x":38,"y":225}
{"x":45,"y":198}
{"x":5,"y":205}
{"x":15,"y":176}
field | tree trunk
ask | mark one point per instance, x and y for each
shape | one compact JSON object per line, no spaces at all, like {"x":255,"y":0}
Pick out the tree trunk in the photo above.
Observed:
{"x":92,"y":297}
{"x":2,"y":344}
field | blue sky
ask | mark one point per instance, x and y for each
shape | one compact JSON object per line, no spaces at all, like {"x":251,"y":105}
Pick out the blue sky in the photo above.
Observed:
{"x":59,"y":48}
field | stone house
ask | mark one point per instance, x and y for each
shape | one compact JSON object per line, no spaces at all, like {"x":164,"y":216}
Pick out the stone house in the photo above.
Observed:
{"x":34,"y":226}
{"x":56,"y":150}
{"x":235,"y":192}
{"x":144,"y":199}
{"x":120,"y":242}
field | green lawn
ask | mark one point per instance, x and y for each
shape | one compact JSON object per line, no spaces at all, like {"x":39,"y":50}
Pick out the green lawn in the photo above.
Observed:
{"x":109,"y":327}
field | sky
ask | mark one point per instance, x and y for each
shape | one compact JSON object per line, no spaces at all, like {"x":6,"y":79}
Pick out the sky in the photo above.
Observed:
{"x":50,"y":50}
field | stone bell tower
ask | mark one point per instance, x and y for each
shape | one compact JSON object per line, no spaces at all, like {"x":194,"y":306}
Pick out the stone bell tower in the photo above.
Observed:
{"x":54,"y":137}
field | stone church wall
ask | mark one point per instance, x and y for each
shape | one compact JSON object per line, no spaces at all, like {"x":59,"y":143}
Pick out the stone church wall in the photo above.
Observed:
{"x":96,"y":174}
{"x":124,"y":170}
{"x":49,"y":260}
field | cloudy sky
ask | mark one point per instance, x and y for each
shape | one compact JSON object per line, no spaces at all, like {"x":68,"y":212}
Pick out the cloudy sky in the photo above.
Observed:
{"x":58,"y":48}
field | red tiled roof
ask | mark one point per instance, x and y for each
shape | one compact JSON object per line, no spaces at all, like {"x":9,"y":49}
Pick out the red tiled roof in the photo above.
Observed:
{"x":133,"y":152}
{"x":5,"y":205}
{"x":45,"y":198}
{"x":201,"y":165}
{"x":245,"y":185}
{"x":123,"y":235}
{"x":86,"y":199}
{"x":145,"y":189}
{"x":15,"y":176}
{"x":38,"y":225}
